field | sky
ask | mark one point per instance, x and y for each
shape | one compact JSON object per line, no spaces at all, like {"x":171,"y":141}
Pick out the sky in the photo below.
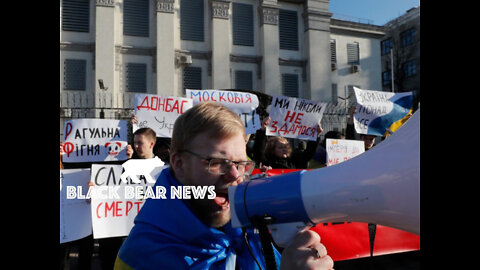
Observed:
{"x":378,"y":12}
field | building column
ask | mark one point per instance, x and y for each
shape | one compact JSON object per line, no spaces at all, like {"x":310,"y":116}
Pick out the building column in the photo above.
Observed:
{"x":105,"y":53}
{"x":166,"y":82}
{"x":270,"y":47}
{"x":317,"y":37}
{"x":220,"y":44}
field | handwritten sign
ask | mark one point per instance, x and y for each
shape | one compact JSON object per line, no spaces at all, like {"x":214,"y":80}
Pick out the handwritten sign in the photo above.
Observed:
{"x":295,"y":118}
{"x":378,"y":110}
{"x":341,"y":150}
{"x":75,"y":218}
{"x":159,"y":113}
{"x":116,"y":203}
{"x":244,"y":104}
{"x":92,"y":140}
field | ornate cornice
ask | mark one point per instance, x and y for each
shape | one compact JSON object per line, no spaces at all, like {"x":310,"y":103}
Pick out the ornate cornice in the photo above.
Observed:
{"x":220,"y":9}
{"x":165,"y":6}
{"x":269,"y":15}
{"x":79,"y":47}
{"x":105,"y":3}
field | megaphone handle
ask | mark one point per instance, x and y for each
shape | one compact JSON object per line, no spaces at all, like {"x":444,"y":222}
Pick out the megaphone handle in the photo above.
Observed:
{"x":266,"y":240}
{"x":284,"y":233}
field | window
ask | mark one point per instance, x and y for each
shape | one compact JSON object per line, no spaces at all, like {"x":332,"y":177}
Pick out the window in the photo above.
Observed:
{"x":75,"y":15}
{"x":408,"y":37}
{"x":192,"y":78}
{"x":136,"y":77}
{"x":74,"y":74}
{"x":135,"y":18}
{"x":242,"y":24}
{"x":387,"y":78}
{"x":353,"y":52}
{"x":191,"y":20}
{"x":410,"y":68}
{"x":333,"y":53}
{"x":387,"y":45}
{"x":288,"y":29}
{"x":243,"y":80}
{"x":290,"y":85}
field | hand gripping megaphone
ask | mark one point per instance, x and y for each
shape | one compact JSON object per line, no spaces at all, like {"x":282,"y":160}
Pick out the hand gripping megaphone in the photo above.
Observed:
{"x":380,"y":186}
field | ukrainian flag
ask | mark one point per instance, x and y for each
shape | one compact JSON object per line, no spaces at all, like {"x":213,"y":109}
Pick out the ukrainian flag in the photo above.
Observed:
{"x":401,"y":111}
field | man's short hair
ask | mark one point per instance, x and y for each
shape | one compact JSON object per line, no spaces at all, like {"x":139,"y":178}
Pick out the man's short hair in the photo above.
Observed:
{"x":147,"y":132}
{"x":210,"y":117}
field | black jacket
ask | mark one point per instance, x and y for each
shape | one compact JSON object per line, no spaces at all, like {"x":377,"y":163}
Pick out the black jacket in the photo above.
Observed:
{"x":297,"y":160}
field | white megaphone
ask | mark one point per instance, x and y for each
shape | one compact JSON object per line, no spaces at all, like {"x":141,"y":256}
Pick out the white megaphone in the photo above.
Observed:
{"x":380,"y":186}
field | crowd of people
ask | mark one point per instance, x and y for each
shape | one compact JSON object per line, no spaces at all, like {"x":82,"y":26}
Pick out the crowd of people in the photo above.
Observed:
{"x":208,"y":147}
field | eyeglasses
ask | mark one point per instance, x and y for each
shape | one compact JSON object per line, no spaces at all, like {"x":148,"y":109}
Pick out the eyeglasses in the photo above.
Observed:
{"x":222,"y":166}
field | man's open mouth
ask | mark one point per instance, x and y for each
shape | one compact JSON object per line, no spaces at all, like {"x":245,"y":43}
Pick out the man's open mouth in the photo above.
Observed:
{"x":221,"y":199}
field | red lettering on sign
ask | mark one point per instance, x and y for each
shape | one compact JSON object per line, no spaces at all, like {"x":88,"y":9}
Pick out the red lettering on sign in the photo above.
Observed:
{"x":115,"y":209}
{"x":158,"y":104}
{"x":68,"y":130}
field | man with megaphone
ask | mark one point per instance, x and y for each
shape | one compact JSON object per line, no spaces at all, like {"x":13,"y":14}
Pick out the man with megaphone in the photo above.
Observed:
{"x":208,"y":149}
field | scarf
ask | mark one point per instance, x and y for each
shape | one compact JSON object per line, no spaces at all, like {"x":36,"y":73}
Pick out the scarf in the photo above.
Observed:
{"x":167,"y":235}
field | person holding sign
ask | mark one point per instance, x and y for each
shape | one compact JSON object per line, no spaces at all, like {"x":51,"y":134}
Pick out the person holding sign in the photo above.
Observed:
{"x":276,"y":151}
{"x":368,"y":140}
{"x":143,"y":142}
{"x":207,"y":149}
{"x":319,"y":159}
{"x":161,"y":147}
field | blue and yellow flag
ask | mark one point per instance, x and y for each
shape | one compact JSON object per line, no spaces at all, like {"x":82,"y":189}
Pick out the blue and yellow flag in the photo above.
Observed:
{"x":378,"y":112}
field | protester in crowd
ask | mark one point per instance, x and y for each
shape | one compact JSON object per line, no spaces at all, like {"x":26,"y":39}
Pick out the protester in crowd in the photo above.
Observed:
{"x":319,"y":159}
{"x":368,"y":140}
{"x":207,"y":149}
{"x":276,"y":152}
{"x":161,"y":146}
{"x":161,"y":149}
{"x":143,"y":142}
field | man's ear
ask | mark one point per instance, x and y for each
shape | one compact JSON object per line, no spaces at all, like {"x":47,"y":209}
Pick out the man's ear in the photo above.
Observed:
{"x":152,"y":144}
{"x":177,"y":165}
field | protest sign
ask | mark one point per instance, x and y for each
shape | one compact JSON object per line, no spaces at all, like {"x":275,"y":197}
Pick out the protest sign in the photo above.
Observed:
{"x":75,"y":218}
{"x":376,"y":110}
{"x":242,"y":103}
{"x":116,"y":203}
{"x":92,"y":140}
{"x":159,"y":112}
{"x":295,"y":118}
{"x":341,"y":150}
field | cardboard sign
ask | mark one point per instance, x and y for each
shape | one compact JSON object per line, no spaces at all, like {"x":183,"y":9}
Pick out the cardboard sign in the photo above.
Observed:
{"x":75,"y":218}
{"x":159,"y":113}
{"x":378,"y":110}
{"x":342,"y":150}
{"x":295,"y":118}
{"x":244,"y":104}
{"x":115,"y":203}
{"x":93,"y":140}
